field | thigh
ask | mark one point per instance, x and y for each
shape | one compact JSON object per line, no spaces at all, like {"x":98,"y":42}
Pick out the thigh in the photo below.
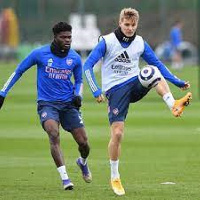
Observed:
{"x":137,"y":91}
{"x":52,"y":128}
{"x":71,"y":119}
{"x":118,"y":104}
{"x":47,"y":112}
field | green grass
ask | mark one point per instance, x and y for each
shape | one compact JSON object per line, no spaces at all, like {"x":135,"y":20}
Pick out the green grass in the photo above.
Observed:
{"x":156,"y":148}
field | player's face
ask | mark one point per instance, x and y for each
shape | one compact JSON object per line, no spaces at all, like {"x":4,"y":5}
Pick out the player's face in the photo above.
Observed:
{"x":128,"y":26}
{"x":64,"y":39}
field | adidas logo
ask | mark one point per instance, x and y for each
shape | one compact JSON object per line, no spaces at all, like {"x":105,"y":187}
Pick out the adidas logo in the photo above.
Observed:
{"x":123,"y":58}
{"x":50,"y":62}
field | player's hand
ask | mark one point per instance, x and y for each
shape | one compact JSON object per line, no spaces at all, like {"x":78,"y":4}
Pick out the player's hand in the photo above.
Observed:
{"x":100,"y":98}
{"x":1,"y":101}
{"x":186,"y":86}
{"x":77,"y":101}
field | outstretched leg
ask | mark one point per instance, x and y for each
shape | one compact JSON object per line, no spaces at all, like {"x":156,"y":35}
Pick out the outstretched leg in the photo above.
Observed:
{"x":176,"y":106}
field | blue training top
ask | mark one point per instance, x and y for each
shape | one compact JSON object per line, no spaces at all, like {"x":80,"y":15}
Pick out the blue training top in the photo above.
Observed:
{"x":176,"y":37}
{"x":53,"y":75}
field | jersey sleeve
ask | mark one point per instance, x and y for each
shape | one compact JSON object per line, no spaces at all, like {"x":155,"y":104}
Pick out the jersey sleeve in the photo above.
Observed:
{"x":150,"y":57}
{"x":28,"y":62}
{"x":78,"y":79}
{"x":97,"y":53}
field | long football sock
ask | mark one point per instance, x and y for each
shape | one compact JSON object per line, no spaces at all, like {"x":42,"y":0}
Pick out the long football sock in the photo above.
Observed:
{"x":169,"y":99}
{"x":63,"y":173}
{"x":114,"y":167}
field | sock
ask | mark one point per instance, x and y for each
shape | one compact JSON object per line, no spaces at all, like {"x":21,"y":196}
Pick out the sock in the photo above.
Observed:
{"x":169,"y":99}
{"x":83,"y":160}
{"x":63,"y":173}
{"x":114,"y":165}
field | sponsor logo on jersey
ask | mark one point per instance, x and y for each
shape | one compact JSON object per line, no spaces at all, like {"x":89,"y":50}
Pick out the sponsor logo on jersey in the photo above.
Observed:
{"x":56,"y":73}
{"x":121,"y":67}
{"x":123,"y":57}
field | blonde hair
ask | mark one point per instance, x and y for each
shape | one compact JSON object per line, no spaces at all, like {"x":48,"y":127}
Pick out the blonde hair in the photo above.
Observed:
{"x":129,"y":13}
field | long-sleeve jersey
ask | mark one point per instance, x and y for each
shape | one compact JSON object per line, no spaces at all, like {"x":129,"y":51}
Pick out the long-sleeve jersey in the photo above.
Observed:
{"x":175,"y":37}
{"x":53,"y":75}
{"x":106,"y":49}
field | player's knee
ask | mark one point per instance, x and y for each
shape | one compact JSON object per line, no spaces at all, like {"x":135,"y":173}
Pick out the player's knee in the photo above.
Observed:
{"x":53,"y":134}
{"x":83,"y":145}
{"x":51,"y":129}
{"x":117,"y":131}
{"x":118,"y":135}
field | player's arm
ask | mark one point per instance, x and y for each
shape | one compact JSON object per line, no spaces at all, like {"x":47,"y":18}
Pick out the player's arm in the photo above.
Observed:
{"x":29,"y":61}
{"x":97,"y":53}
{"x":78,"y":83}
{"x":150,"y":57}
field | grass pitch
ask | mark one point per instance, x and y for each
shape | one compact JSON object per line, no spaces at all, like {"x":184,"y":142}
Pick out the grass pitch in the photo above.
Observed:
{"x":157,"y":148}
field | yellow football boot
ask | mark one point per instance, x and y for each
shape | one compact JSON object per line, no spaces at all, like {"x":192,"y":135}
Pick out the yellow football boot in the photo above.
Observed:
{"x":179,"y":105}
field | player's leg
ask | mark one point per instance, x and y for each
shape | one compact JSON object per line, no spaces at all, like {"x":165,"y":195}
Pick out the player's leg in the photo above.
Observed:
{"x":52,"y":129}
{"x":80,"y":137}
{"x":114,"y":150}
{"x":176,"y":106}
{"x":177,"y":62}
{"x":71,"y":121}
{"x":114,"y":147}
{"x":118,"y":104}
{"x":162,"y":88}
{"x":152,"y":76}
{"x":49,"y":118}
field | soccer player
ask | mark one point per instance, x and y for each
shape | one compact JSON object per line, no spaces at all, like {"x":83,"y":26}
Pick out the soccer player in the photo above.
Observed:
{"x":121,"y":51}
{"x":176,"y":40}
{"x":59,"y":100}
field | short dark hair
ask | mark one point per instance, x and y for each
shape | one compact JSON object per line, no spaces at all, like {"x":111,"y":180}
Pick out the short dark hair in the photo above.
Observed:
{"x":60,"y":27}
{"x":176,"y":22}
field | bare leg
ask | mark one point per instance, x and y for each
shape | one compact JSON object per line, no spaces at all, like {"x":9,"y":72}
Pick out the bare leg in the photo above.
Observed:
{"x":114,"y":149}
{"x":177,"y":61}
{"x":80,"y":137}
{"x":52,"y":129}
{"x":162,"y":88}
{"x":114,"y":146}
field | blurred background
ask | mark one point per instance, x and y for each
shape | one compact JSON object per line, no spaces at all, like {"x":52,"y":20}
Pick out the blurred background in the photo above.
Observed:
{"x":27,"y":24}
{"x":157,"y":148}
